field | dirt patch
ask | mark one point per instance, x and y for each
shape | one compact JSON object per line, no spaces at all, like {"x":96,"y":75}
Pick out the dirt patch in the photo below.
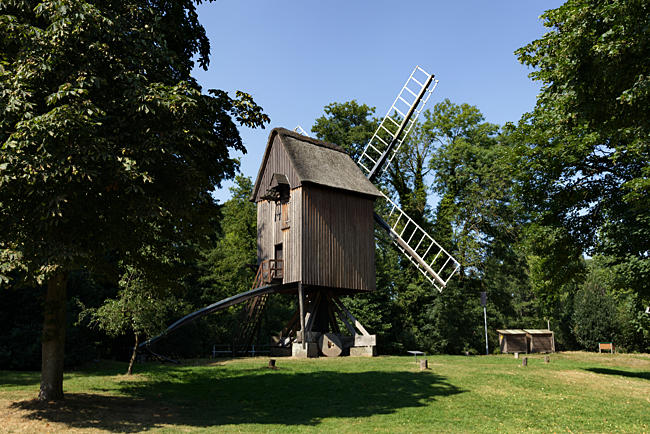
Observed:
{"x":82,"y":412}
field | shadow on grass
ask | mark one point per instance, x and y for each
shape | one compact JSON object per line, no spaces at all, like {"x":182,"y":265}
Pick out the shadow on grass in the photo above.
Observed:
{"x":642,"y":375}
{"x":110,"y":413}
{"x":19,"y":378}
{"x":211,"y":397}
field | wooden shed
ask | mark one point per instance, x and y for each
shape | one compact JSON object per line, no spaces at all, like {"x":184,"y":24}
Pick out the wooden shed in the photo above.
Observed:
{"x":526,"y":341}
{"x":315,"y":214}
{"x":540,"y":341}
{"x":513,"y":341}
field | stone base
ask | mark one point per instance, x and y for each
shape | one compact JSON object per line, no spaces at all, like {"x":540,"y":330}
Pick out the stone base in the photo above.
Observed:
{"x":310,"y":350}
{"x":363,"y":351}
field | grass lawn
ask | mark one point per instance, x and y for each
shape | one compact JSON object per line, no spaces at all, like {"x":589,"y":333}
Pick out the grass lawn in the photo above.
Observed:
{"x":576,"y":392}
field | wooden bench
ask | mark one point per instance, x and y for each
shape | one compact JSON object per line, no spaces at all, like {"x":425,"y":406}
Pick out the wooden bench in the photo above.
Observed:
{"x":606,"y":346}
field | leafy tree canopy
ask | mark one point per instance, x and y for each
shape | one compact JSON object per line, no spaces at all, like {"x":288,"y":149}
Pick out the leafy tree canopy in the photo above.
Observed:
{"x":103,"y":127}
{"x":107,"y":144}
{"x":586,"y":145}
{"x":348,"y":124}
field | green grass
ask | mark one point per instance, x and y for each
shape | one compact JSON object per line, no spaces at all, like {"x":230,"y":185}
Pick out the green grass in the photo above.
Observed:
{"x":575,"y":392}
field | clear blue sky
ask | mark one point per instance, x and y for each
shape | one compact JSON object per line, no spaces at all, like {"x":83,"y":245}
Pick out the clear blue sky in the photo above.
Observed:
{"x":295,"y":57}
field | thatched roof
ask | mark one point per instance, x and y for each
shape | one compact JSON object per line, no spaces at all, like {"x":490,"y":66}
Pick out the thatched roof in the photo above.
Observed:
{"x":318,"y":162}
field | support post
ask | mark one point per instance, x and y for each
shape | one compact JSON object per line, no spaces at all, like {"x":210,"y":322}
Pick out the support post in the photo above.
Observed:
{"x":487,"y":352}
{"x":301,"y":303}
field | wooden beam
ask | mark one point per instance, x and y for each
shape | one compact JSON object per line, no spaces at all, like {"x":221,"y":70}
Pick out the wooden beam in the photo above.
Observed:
{"x":332,"y":316}
{"x":356,"y":323}
{"x":343,"y":318}
{"x":312,"y":310}
{"x":301,"y":303}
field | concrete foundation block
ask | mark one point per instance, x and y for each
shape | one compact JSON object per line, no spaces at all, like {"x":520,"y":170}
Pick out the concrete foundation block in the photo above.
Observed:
{"x":363,"y":351}
{"x":310,"y":350}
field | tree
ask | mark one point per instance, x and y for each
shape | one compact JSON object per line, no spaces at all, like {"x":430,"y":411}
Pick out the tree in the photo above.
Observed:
{"x":472,"y":176}
{"x":229,"y":266}
{"x":593,"y":315}
{"x":139,"y":308}
{"x":107,"y":142}
{"x":586,"y":145}
{"x":348,"y":124}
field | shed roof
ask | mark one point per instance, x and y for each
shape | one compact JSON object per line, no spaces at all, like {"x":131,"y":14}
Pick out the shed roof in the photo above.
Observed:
{"x":524,"y":331}
{"x":538,"y":331}
{"x":319,"y":163}
{"x":512,"y":332}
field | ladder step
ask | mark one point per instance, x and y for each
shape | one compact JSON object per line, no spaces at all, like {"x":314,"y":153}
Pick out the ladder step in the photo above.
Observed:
{"x":382,"y":140}
{"x":393,"y":120}
{"x":389,"y":131}
{"x":412,"y":93}
{"x":405,"y":101}
{"x":416,"y":80}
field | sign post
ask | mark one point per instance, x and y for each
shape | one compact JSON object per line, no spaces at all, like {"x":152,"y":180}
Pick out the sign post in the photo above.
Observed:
{"x":484,"y":303}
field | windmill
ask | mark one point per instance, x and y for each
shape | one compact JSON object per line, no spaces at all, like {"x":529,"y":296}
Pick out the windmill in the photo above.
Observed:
{"x":315,"y":219}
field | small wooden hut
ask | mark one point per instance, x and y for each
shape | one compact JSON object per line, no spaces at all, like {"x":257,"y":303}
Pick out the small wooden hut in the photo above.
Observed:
{"x":513,"y":341}
{"x":540,"y":341}
{"x":315,"y":214}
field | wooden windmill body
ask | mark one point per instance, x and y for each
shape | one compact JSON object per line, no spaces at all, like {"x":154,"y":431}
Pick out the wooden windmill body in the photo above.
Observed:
{"x":316,"y":231}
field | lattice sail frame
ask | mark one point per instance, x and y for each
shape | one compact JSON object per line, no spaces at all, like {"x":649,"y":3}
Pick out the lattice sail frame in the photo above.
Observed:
{"x":429,"y":257}
{"x":391,"y":126}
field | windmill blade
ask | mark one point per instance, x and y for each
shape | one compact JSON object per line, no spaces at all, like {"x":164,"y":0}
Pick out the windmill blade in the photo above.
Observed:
{"x":300,"y":130}
{"x":397,"y":124}
{"x":434,"y":262}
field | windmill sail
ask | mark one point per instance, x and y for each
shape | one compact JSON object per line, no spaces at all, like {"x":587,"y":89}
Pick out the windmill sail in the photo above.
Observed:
{"x":429,"y":257}
{"x":397,"y":124}
{"x":433,"y":261}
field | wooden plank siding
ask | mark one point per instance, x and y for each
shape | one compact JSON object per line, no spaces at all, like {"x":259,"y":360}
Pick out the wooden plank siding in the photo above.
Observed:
{"x":292,"y":239}
{"x":265,"y":231}
{"x":338,"y":246}
{"x":270,"y":233}
{"x":278,"y":162}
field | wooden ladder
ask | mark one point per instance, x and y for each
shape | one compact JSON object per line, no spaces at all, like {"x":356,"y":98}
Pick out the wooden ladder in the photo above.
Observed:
{"x":268,"y":271}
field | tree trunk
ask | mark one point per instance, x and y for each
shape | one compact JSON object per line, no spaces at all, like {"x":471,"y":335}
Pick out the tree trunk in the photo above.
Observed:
{"x":53,"y":340}
{"x":135,"y":351}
